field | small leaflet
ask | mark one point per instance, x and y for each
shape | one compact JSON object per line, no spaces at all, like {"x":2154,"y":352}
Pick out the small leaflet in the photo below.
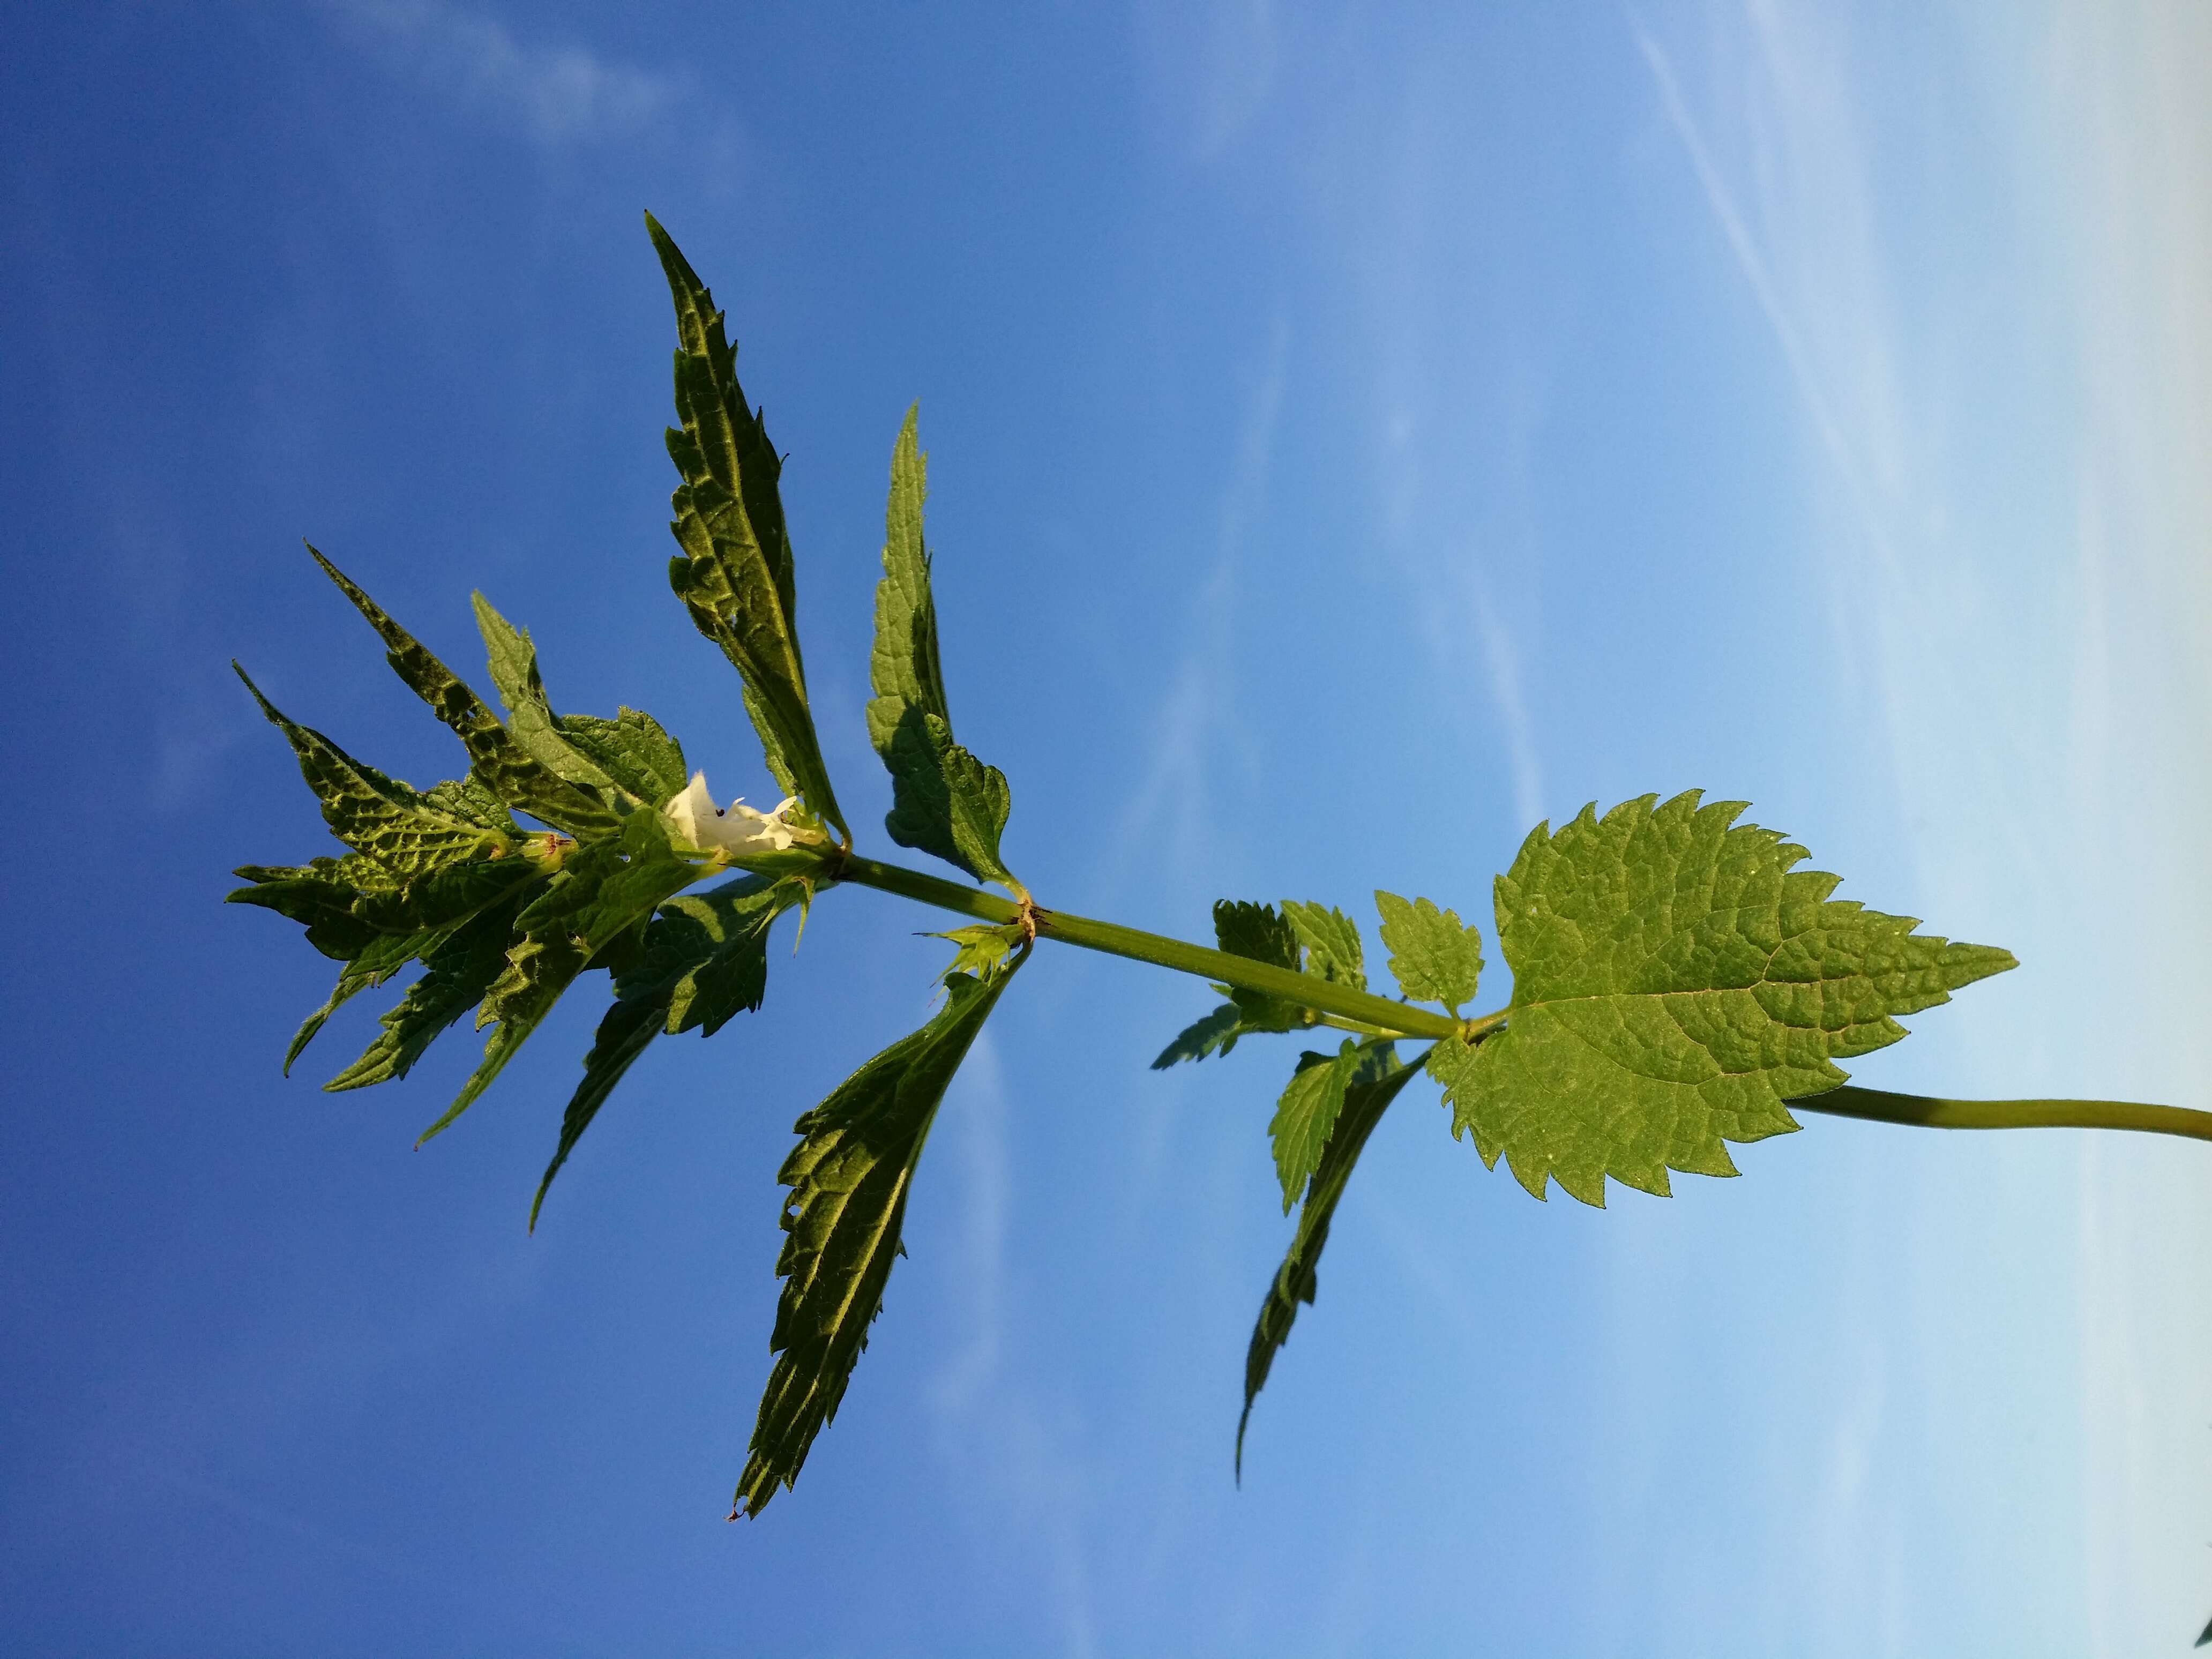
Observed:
{"x":1305,"y":1115}
{"x":1332,"y":943}
{"x":1215,"y":1033}
{"x":981,"y":948}
{"x":1432,"y":956}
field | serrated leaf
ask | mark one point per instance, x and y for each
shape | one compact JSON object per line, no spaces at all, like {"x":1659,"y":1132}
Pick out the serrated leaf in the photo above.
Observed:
{"x":734,"y":574}
{"x":457,"y":971}
{"x":1217,"y":1033}
{"x":1310,"y":939}
{"x":944,"y":801}
{"x":377,"y":922}
{"x":1377,"y":1084}
{"x":384,"y":956}
{"x":632,"y":749}
{"x":1258,"y":931}
{"x":724,"y":943}
{"x":1432,"y":956}
{"x":1332,"y":942}
{"x":704,"y":960}
{"x":849,"y":1177}
{"x":981,"y":949}
{"x":319,"y":895}
{"x":512,"y":661}
{"x":1676,"y":980}
{"x":381,"y":818}
{"x":606,"y":890}
{"x":1306,"y":1112}
{"x":502,"y":767}
{"x":445,"y":896}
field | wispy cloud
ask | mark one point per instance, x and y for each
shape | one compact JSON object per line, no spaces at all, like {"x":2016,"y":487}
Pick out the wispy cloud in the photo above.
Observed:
{"x":992,"y":1428}
{"x":556,"y":94}
{"x":1196,"y":716}
{"x":2126,"y":92}
{"x":2043,"y":680}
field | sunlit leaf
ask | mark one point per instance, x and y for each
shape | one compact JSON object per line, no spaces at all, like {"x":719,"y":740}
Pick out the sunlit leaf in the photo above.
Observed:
{"x":1675,"y":979}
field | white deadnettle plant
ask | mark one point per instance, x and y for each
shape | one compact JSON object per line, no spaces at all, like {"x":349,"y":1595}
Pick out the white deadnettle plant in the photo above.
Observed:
{"x":1680,"y":983}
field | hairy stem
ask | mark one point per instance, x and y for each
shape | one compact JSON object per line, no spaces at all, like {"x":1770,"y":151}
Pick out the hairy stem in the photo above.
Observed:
{"x":1930,"y":1112}
{"x":1373,"y":1013}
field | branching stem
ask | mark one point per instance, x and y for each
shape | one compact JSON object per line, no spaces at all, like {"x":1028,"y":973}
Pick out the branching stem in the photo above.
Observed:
{"x":1345,"y":1009}
{"x":1361,"y":1011}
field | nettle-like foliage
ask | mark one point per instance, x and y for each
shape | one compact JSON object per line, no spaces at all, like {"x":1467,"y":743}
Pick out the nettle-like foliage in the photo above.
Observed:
{"x":1680,"y":980}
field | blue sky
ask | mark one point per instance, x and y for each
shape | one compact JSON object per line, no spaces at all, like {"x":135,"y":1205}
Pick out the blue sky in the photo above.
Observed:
{"x":1356,"y":434}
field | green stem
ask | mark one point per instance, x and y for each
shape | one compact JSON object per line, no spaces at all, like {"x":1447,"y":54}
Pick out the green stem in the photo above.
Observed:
{"x":1356,"y":1010}
{"x":1371,"y":1013}
{"x":1931,"y":1112}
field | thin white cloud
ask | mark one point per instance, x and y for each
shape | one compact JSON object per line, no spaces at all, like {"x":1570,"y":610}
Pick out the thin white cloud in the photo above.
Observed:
{"x":991,"y":1427}
{"x":1501,"y":656}
{"x":2125,"y":99}
{"x":554,"y":94}
{"x":2045,"y":695}
{"x":1197,"y":714}
{"x":1213,"y":68}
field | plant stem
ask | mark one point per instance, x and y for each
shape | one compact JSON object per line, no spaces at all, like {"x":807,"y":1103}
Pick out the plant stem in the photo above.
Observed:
{"x":1356,"y":1010}
{"x":1931,"y":1112}
{"x":1376,"y":1013}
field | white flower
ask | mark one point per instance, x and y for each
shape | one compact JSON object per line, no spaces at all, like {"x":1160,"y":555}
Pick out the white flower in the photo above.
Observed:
{"x":695,"y":819}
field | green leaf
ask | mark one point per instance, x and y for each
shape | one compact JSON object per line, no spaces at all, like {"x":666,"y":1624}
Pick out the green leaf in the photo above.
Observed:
{"x":381,"y":818}
{"x":457,"y":971}
{"x":1377,"y":1084}
{"x":1258,"y":931}
{"x":384,"y":955}
{"x":512,"y":660}
{"x":445,"y":896}
{"x":1432,"y":956}
{"x":1306,"y":1112}
{"x":505,"y":769}
{"x":982,"y":948}
{"x":1217,"y":1033}
{"x":319,"y":895}
{"x":1310,"y":939}
{"x":726,"y":931}
{"x":705,"y":959}
{"x":377,"y":922}
{"x":632,"y":749}
{"x":848,"y":1177}
{"x":606,"y":892}
{"x":1332,"y":942}
{"x":734,"y":574}
{"x":1675,"y":981}
{"x":943,"y":800}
